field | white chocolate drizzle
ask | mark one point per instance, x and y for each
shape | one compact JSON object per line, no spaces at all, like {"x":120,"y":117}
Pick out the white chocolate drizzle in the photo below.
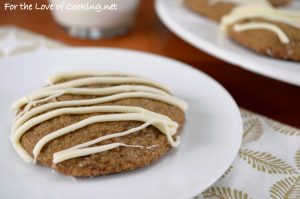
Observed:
{"x":242,"y":12}
{"x":126,"y":87}
{"x":53,"y":79}
{"x":264,"y":26}
{"x":85,"y":82}
{"x":262,"y":2}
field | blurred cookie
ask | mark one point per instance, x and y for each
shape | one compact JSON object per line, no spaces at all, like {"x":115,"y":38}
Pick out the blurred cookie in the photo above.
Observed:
{"x":275,"y":33}
{"x":279,"y":2}
{"x":91,"y":124}
{"x":216,"y":9}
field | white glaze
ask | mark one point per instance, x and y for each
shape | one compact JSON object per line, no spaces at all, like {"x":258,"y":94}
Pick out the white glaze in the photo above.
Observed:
{"x":32,"y":116}
{"x":263,"y":2}
{"x":53,"y":79}
{"x":242,"y":12}
{"x":85,"y":82}
{"x":63,"y":155}
{"x":262,"y":26}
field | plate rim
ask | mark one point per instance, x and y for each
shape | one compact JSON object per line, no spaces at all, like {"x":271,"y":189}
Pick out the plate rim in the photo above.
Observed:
{"x":197,"y":190}
{"x":219,"y":53}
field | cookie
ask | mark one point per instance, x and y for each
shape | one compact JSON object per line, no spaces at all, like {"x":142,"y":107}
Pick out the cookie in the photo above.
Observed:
{"x":216,"y":9}
{"x":277,"y":3}
{"x":275,"y":33}
{"x":85,"y":125}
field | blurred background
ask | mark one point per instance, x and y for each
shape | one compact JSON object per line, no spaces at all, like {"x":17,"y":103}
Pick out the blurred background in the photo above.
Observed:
{"x":251,"y":91}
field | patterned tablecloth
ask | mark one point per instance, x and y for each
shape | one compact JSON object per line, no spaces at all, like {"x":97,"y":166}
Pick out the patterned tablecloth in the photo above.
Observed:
{"x":268,"y":163}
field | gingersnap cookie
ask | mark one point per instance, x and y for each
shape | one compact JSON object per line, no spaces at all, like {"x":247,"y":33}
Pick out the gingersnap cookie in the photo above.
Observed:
{"x":210,"y":9}
{"x":275,"y":33}
{"x":216,"y":9}
{"x":277,"y":3}
{"x":90,"y":124}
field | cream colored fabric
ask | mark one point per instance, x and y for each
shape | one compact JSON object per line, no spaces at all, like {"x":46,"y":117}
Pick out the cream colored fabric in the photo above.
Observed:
{"x":267,"y":165}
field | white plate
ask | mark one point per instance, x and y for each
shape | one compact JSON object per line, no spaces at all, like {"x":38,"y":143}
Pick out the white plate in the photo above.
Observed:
{"x":205,"y":35}
{"x":210,"y":139}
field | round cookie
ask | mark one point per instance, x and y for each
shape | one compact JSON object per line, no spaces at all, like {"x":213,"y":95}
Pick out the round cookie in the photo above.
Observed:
{"x":145,"y":146}
{"x":212,"y":11}
{"x":277,"y":3}
{"x":216,"y":9}
{"x":268,"y":31}
{"x":267,"y":42}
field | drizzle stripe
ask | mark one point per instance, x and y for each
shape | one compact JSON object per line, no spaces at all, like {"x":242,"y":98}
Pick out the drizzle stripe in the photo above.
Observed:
{"x":242,"y":12}
{"x":98,"y":91}
{"x":266,"y":26}
{"x":263,"y":2}
{"x":103,"y":80}
{"x":87,"y":151}
{"x":40,"y":109}
{"x":20,"y":128}
{"x":88,"y":81}
{"x":53,"y":79}
{"x":160,"y":124}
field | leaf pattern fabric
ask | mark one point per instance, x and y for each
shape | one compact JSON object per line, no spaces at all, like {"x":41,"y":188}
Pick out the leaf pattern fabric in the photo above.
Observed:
{"x":297,"y":159}
{"x":252,"y":130}
{"x":225,"y":193}
{"x":227,"y":172}
{"x":268,"y":163}
{"x":267,"y":166}
{"x":288,"y":188}
{"x":287,"y":130}
{"x":265,"y":162}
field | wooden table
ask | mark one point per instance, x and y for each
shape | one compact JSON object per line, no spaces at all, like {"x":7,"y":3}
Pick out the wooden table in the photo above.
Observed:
{"x":251,"y":91}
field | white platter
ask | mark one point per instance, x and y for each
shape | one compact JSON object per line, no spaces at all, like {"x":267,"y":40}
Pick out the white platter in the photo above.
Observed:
{"x":210,"y":139}
{"x":205,"y":35}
